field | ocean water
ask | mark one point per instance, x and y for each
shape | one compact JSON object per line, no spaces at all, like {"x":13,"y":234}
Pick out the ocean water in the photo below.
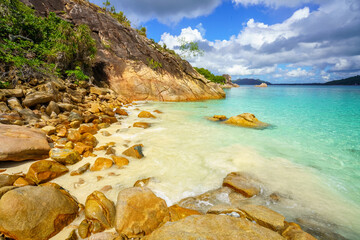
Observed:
{"x":311,"y":153}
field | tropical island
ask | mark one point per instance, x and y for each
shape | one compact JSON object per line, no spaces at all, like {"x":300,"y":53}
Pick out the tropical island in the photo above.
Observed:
{"x":75,"y":81}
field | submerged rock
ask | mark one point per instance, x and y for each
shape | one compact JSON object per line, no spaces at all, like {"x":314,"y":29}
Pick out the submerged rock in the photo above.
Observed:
{"x":134,"y":151}
{"x":213,"y":227}
{"x":247,"y":120}
{"x":146,"y":114}
{"x":120,"y":161}
{"x":242,"y":183}
{"x":216,"y":118}
{"x":35,"y":212}
{"x":21,"y":143}
{"x":139,"y":212}
{"x":142,"y":125}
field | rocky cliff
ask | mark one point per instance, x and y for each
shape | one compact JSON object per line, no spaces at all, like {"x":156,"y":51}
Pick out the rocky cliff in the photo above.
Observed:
{"x":124,"y":57}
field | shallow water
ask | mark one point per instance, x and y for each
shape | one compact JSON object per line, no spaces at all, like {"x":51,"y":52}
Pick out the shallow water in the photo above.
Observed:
{"x":309,"y":155}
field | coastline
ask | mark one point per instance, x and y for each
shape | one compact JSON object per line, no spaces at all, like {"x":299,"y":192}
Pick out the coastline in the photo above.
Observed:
{"x":177,"y":180}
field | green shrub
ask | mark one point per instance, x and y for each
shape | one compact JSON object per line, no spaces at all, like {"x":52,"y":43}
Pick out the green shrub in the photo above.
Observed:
{"x":32,"y":46}
{"x":153,"y":64}
{"x":142,"y":31}
{"x":208,"y":75}
{"x":77,"y":75}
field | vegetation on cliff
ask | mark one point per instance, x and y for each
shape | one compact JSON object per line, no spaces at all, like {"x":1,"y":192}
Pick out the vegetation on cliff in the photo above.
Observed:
{"x":35,"y":47}
{"x":210,"y":76}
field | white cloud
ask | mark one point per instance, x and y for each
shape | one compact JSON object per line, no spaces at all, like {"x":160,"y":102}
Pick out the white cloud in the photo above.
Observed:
{"x":298,"y":73}
{"x":272,"y":3}
{"x":326,"y":41}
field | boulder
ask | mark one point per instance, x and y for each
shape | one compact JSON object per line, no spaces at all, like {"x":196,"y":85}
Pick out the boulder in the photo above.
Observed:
{"x":65,"y":156}
{"x":8,"y":180}
{"x":41,"y":212}
{"x":84,"y":228}
{"x":146,"y":114}
{"x":142,"y":182}
{"x":45,"y":170}
{"x":98,"y":207}
{"x":139,"y":212}
{"x":247,"y":120}
{"x":37,"y":98}
{"x":73,"y":116}
{"x":101,"y":164}
{"x":52,"y":107}
{"x":215,"y":227}
{"x":242,"y":183}
{"x":29,"y":116}
{"x":82,"y":148}
{"x":10,"y":118}
{"x":120,"y":161}
{"x":205,"y":201}
{"x":134,"y":151}
{"x":88,"y":128}
{"x":66,"y":107}
{"x":261,"y":85}
{"x":74,"y":135}
{"x":80,"y":170}
{"x":177,"y":212}
{"x":89,"y":139}
{"x":4,"y":108}
{"x":12,"y":92}
{"x":216,"y":118}
{"x":142,"y":125}
{"x":99,"y":91}
{"x":264,"y":216}
{"x":49,"y":130}
{"x":14,"y":104}
{"x":121,"y":112}
{"x":21,"y":143}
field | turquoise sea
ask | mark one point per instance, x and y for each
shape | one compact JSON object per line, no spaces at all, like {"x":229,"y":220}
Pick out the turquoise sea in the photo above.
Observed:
{"x":313,"y":143}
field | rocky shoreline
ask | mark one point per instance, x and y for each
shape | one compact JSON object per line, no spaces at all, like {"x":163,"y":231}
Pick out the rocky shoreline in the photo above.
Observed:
{"x":39,"y":199}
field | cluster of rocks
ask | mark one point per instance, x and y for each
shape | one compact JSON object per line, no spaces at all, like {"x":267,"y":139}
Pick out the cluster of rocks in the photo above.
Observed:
{"x":140,"y":214}
{"x":247,"y":120}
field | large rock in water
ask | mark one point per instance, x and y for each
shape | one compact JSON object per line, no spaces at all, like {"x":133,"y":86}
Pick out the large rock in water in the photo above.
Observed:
{"x":124,"y":58}
{"x":30,"y":212}
{"x":215,"y":227}
{"x":247,"y":120}
{"x":139,"y":212}
{"x":21,"y":143}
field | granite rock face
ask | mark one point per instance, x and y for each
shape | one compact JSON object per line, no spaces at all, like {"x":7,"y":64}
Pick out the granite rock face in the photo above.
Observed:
{"x":21,"y":143}
{"x":216,"y":227}
{"x":125,"y":65}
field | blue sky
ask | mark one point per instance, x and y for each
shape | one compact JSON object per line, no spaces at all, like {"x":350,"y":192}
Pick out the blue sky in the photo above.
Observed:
{"x":274,"y":40}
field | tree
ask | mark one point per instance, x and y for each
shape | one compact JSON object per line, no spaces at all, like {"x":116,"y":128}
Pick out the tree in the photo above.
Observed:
{"x":189,"y":49}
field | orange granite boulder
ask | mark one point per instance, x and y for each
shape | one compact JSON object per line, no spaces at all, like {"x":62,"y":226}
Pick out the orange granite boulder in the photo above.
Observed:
{"x":247,"y":120}
{"x":31,"y":212}
{"x":101,"y":164}
{"x":146,"y":114}
{"x":134,"y":151}
{"x":139,"y":212}
{"x":242,"y":183}
{"x":20,"y":143}
{"x":45,"y":170}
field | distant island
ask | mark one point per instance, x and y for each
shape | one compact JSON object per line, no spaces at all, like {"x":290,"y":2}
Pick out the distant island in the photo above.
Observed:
{"x":249,"y":81}
{"x":346,"y":81}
